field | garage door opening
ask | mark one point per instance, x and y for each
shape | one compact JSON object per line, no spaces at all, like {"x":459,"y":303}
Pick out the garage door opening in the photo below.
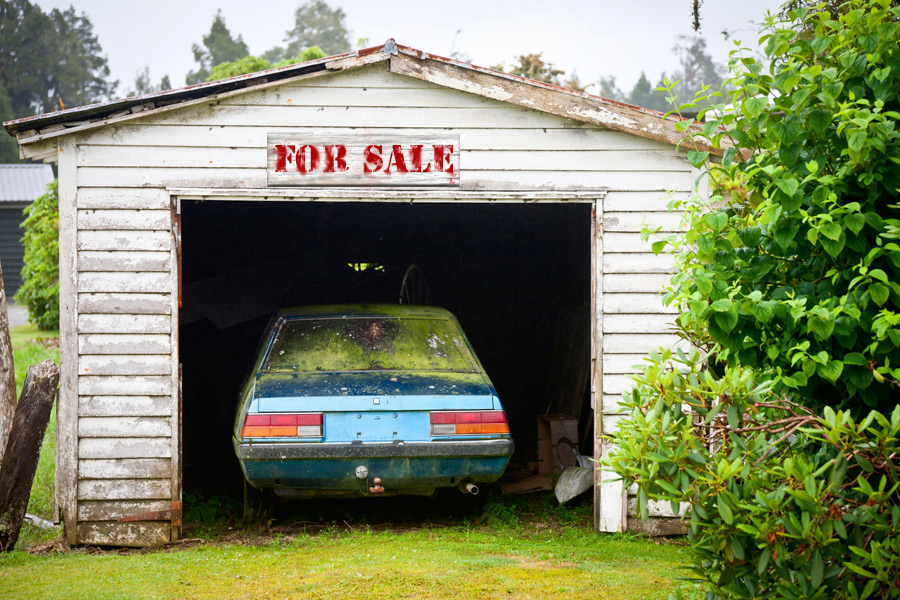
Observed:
{"x":517,"y":276}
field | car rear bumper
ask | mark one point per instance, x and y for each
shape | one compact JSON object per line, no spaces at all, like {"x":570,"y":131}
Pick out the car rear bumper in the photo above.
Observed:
{"x":322,"y":467}
{"x":447,"y":448}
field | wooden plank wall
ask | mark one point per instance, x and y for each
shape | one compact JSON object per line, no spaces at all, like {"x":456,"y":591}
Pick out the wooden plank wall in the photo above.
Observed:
{"x":504,"y":147}
{"x":125,"y":285}
{"x":635,"y":320}
{"x":127,"y":421}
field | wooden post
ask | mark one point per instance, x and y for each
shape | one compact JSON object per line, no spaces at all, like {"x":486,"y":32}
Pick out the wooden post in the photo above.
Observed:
{"x":23,"y":449}
{"x":67,"y":403}
{"x":7,"y":373}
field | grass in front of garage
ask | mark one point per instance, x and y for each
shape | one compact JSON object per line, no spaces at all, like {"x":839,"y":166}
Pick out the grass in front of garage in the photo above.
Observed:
{"x":32,"y":346}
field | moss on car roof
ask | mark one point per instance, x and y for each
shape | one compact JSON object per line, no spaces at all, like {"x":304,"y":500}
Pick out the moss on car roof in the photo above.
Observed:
{"x":370,"y":340}
{"x":366,"y":310}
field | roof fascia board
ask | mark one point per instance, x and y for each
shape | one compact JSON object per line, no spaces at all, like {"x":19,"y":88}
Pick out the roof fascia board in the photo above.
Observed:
{"x":45,"y":150}
{"x":32,"y":136}
{"x":547,"y":98}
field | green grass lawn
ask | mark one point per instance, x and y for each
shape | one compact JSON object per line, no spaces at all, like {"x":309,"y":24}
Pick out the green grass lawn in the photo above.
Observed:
{"x":519,"y":547}
{"x":31,"y":346}
{"x":460,"y":561}
{"x":26,"y":334}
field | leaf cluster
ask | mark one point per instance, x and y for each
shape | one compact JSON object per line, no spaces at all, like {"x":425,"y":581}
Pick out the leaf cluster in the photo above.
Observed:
{"x":40,"y":274}
{"x":768,"y":443}
{"x":780,"y":503}
{"x":252,"y":64}
{"x":799,"y":277}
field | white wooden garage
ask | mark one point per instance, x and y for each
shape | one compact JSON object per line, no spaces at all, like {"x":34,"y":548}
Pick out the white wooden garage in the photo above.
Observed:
{"x":566,"y":167}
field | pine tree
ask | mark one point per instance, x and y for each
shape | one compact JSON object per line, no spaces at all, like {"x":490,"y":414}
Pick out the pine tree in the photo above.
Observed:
{"x":218,"y":47}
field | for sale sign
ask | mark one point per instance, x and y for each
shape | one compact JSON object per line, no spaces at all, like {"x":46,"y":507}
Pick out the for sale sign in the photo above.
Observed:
{"x":367,"y":159}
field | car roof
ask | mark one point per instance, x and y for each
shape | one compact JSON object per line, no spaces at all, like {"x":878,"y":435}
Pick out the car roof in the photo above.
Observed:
{"x":366,"y":310}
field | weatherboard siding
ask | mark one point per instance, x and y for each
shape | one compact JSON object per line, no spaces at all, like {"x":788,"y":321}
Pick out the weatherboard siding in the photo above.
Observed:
{"x":503,"y":147}
{"x":121,"y":320}
{"x":126,"y":368}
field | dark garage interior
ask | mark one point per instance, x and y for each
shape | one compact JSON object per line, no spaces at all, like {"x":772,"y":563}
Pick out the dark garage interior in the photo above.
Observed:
{"x":516,"y":275}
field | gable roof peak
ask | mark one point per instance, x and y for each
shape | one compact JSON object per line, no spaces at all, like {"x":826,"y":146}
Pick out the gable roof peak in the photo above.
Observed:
{"x":402,"y":60}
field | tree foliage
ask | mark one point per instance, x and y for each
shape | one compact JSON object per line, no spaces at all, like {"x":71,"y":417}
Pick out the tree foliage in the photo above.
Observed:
{"x":9,"y":149}
{"x":781,"y":434}
{"x":315,"y":24}
{"x":143,"y":84}
{"x":49,"y":60}
{"x":696,"y":70}
{"x":40,"y":275}
{"x":252,"y":64}
{"x":801,"y":279}
{"x":647,"y":95}
{"x":218,"y":47}
{"x":533,"y":66}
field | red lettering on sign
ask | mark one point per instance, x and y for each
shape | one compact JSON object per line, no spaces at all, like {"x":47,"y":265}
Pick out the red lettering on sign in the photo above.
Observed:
{"x":284,"y":154}
{"x":441,"y":153}
{"x":415,"y":156}
{"x":397,"y":160}
{"x":304,"y":166}
{"x":373,"y":158}
{"x":298,"y":160}
{"x":335,"y":159}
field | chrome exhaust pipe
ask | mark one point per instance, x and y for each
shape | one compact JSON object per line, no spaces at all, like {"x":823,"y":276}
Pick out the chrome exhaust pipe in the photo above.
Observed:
{"x":468,"y":488}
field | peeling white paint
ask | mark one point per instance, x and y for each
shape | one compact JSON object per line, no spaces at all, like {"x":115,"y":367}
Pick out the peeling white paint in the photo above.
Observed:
{"x":495,"y":91}
{"x":603,"y":115}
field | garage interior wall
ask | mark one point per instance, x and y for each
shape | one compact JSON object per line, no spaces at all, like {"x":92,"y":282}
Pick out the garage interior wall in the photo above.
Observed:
{"x":517,"y":276}
{"x":119,"y":428}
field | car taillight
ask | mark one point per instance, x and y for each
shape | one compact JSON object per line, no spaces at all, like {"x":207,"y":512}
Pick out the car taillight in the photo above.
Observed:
{"x":468,"y":423}
{"x":303,"y":425}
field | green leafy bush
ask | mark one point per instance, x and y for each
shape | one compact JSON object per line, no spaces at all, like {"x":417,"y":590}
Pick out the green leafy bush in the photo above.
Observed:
{"x":782,"y":504}
{"x":40,"y":275}
{"x":252,"y":64}
{"x":801,"y":279}
{"x":790,"y":289}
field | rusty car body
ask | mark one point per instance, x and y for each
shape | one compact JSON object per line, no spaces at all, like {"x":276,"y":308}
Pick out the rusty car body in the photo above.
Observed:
{"x":369,"y":400}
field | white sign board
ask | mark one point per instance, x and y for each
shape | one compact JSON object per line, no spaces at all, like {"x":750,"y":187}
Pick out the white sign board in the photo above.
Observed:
{"x":296,"y":159}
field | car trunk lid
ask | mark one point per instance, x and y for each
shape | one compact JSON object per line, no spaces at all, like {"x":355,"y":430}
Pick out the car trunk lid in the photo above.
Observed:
{"x":375,"y":406}
{"x":374,"y":391}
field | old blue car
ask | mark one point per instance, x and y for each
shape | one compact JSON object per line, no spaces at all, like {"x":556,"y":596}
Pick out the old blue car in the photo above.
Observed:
{"x":369,"y":400}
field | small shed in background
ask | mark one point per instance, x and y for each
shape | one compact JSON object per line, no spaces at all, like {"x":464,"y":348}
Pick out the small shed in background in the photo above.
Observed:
{"x":179,"y":235}
{"x":19,"y":186}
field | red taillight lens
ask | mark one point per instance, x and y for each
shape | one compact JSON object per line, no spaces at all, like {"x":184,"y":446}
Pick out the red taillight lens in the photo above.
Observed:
{"x":309,"y":419}
{"x":468,"y":423}
{"x":443,"y":417}
{"x":302,"y":425}
{"x":284,"y":419}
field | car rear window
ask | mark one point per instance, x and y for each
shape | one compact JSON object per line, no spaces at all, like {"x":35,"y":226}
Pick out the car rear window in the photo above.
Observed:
{"x":369,"y":344}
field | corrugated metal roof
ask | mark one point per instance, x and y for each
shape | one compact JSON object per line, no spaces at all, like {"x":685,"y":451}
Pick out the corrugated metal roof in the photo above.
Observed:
{"x":23,"y":183}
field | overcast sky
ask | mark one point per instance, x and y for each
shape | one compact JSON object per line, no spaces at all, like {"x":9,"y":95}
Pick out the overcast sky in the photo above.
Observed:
{"x":591,"y":37}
